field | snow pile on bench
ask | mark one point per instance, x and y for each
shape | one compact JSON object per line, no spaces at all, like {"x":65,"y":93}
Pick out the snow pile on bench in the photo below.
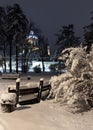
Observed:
{"x":8,"y":98}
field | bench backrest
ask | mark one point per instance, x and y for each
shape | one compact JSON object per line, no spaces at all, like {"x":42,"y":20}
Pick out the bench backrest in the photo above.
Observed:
{"x":27,"y":92}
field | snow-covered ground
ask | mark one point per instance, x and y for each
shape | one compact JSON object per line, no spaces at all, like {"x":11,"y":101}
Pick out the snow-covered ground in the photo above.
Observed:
{"x":45,"y":115}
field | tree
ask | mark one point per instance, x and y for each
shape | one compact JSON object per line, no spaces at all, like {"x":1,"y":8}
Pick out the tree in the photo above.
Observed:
{"x":43,"y":46}
{"x":26,"y":51}
{"x":88,"y":35}
{"x":16,"y":29}
{"x":3,"y":34}
{"x":66,"y":38}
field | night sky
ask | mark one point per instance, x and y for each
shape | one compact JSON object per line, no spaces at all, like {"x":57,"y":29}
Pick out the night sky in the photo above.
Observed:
{"x":50,"y":15}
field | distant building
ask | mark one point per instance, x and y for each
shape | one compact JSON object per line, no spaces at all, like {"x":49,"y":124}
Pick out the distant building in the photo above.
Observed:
{"x":32,"y":38}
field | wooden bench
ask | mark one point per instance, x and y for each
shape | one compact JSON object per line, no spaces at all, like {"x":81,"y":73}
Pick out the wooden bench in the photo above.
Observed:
{"x":26,"y":95}
{"x":30,"y":95}
{"x":10,"y":76}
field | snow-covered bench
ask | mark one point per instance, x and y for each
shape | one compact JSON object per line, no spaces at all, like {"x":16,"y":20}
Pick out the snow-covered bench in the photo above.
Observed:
{"x":30,"y":93}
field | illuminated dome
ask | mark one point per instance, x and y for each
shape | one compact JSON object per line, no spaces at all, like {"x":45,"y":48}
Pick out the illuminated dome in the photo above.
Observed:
{"x":32,"y":38}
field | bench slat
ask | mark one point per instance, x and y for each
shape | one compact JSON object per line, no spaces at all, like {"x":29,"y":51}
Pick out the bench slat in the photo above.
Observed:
{"x":27,"y":97}
{"x":26,"y":91}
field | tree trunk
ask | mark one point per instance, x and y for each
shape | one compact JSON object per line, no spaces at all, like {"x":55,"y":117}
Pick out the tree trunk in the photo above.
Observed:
{"x":17,"y":59}
{"x":22,"y":63}
{"x":25,"y":64}
{"x":43,"y":64}
{"x":4,"y":58}
{"x":10,"y":58}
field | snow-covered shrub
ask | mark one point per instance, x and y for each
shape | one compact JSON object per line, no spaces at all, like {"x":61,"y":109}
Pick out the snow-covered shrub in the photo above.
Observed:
{"x":75,"y":87}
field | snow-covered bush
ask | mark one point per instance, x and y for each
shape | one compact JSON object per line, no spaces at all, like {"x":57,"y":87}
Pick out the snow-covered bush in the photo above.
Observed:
{"x":75,"y":87}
